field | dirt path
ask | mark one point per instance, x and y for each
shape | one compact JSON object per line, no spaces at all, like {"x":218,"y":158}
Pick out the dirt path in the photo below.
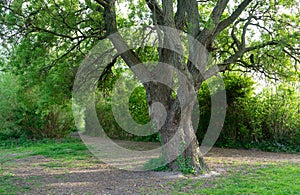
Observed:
{"x":94,"y":177}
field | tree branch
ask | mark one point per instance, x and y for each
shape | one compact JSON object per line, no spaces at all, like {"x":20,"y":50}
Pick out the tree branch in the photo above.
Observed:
{"x":260,"y":46}
{"x":235,"y":40}
{"x":218,"y":11}
{"x":107,"y":70}
{"x":192,"y":17}
{"x":168,"y":13}
{"x":48,"y":67}
{"x":244,"y":32}
{"x":180,"y":16}
{"x":127,"y":54}
{"x":38,"y":29}
{"x":228,"y":21}
{"x":235,"y":57}
{"x":157,"y":13}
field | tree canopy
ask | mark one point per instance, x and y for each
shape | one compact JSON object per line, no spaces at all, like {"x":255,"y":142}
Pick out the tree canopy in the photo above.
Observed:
{"x":59,"y":32}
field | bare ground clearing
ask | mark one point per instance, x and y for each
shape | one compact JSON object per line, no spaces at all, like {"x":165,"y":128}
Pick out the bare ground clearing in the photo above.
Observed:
{"x":48,"y":176}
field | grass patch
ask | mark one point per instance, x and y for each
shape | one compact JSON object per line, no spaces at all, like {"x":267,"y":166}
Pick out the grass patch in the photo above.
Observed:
{"x":7,"y":184}
{"x":63,"y":153}
{"x":272,"y":179}
{"x":262,"y":179}
{"x":65,"y":149}
{"x":5,"y":179}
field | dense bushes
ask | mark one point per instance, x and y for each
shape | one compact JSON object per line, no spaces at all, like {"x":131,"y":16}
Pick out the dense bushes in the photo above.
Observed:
{"x":24,"y":112}
{"x":9,"y":87}
{"x":52,"y":122}
{"x":269,"y":119}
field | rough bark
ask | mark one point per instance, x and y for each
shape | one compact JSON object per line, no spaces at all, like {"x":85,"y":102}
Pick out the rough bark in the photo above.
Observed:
{"x":186,"y":144}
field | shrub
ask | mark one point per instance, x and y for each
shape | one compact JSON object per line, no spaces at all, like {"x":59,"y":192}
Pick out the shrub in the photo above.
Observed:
{"x":24,"y":112}
{"x":9,"y":86}
{"x":54,"y":122}
{"x":271,"y":116}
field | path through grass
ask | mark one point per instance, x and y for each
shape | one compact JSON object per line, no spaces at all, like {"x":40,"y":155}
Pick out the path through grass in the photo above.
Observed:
{"x":71,"y":155}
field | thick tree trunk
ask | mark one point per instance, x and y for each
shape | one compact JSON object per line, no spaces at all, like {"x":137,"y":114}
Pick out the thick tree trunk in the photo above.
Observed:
{"x":185,"y":147}
{"x":177,"y":133}
{"x":193,"y":154}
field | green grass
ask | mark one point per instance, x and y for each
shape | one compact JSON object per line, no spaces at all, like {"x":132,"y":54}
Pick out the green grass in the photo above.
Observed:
{"x":260,"y":179}
{"x":71,"y":149}
{"x":5,"y":180}
{"x":6,"y":183}
{"x":64,"y":153}
{"x":280,"y":178}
